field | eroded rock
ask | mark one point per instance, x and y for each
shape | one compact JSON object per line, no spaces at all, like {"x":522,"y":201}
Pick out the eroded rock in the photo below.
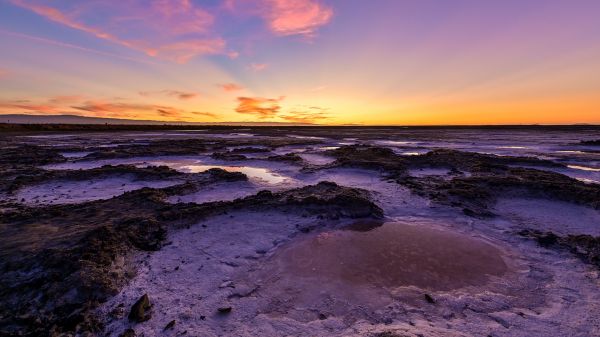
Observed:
{"x":586,"y":247}
{"x":140,"y":311}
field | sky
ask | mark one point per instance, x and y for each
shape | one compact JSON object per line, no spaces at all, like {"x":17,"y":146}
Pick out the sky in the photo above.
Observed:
{"x":366,"y":62}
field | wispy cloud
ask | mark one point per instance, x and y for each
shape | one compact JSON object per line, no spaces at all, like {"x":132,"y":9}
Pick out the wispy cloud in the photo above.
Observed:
{"x":233,"y":54}
{"x":230,"y":87}
{"x":319,"y":88}
{"x":258,"y":66}
{"x":311,"y":114}
{"x":76,"y":104}
{"x":296,"y":17}
{"x":118,"y":109}
{"x":203,"y":113}
{"x":71,"y":46}
{"x":176,"y":30}
{"x":3,"y":73}
{"x":182,"y":95}
{"x":258,"y":106}
{"x":27,"y":106}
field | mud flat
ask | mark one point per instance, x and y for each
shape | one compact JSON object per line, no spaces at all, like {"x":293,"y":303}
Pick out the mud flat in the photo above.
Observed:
{"x":378,"y":232}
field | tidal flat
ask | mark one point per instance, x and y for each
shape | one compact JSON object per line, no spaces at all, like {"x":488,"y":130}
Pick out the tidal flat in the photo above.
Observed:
{"x":300,"y":231}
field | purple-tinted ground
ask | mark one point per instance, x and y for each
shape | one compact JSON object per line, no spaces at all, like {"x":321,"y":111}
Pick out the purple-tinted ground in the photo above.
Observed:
{"x":441,"y":261}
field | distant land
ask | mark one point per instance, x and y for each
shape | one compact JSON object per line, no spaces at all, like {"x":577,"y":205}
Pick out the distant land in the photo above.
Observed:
{"x":62,"y":123}
{"x":74,"y":119}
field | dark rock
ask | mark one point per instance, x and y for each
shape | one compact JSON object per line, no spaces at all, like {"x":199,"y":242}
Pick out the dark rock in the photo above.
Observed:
{"x":586,"y":247}
{"x":228,"y":156}
{"x":387,"y":334}
{"x":223,"y":175}
{"x":478,"y":193}
{"x":368,"y":157}
{"x":170,"y":325}
{"x":547,"y":240}
{"x":595,"y":142}
{"x":224,"y":310}
{"x":458,"y":161}
{"x":140,"y":311}
{"x":288,"y":157}
{"x":429,"y":299}
{"x":128,"y":333}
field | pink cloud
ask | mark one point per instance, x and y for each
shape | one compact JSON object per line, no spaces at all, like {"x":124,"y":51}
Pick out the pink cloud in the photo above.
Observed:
{"x":175,"y":30}
{"x":285,"y":17}
{"x":261,"y":107}
{"x":25,"y":106}
{"x":229,"y":87}
{"x":258,"y":66}
{"x":296,"y":17}
{"x":79,"y":105}
{"x":233,"y":55}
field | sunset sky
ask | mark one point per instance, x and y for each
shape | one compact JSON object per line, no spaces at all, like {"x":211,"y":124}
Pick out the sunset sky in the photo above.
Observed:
{"x":400,"y":62}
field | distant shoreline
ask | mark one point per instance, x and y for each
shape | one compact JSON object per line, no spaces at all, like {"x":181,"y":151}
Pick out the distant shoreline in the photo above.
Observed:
{"x":62,"y":127}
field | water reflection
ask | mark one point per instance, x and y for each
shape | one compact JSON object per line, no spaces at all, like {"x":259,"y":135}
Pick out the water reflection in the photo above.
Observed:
{"x":262,"y":174}
{"x":583,"y":168}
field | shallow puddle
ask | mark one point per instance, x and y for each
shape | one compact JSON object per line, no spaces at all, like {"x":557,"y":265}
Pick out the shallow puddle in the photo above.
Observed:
{"x":252,"y":172}
{"x":583,"y":168}
{"x":428,"y":172}
{"x":394,"y":255}
{"x":392,"y":143}
{"x":316,"y":159}
{"x":75,"y":154}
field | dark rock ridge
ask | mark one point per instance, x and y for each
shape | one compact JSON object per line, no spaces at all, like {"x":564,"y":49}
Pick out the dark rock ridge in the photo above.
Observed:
{"x":367,"y":157}
{"x":23,"y":160}
{"x":586,"y":247}
{"x":477,"y":194}
{"x":106,"y":171}
{"x":288,"y":157}
{"x":29,"y":155}
{"x":184,"y":147}
{"x":326,"y":199}
{"x":475,"y":180}
{"x":595,"y":142}
{"x":236,"y":156}
{"x":228,"y":156}
{"x":472,"y":162}
{"x":54,"y":279}
{"x":384,"y":159}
